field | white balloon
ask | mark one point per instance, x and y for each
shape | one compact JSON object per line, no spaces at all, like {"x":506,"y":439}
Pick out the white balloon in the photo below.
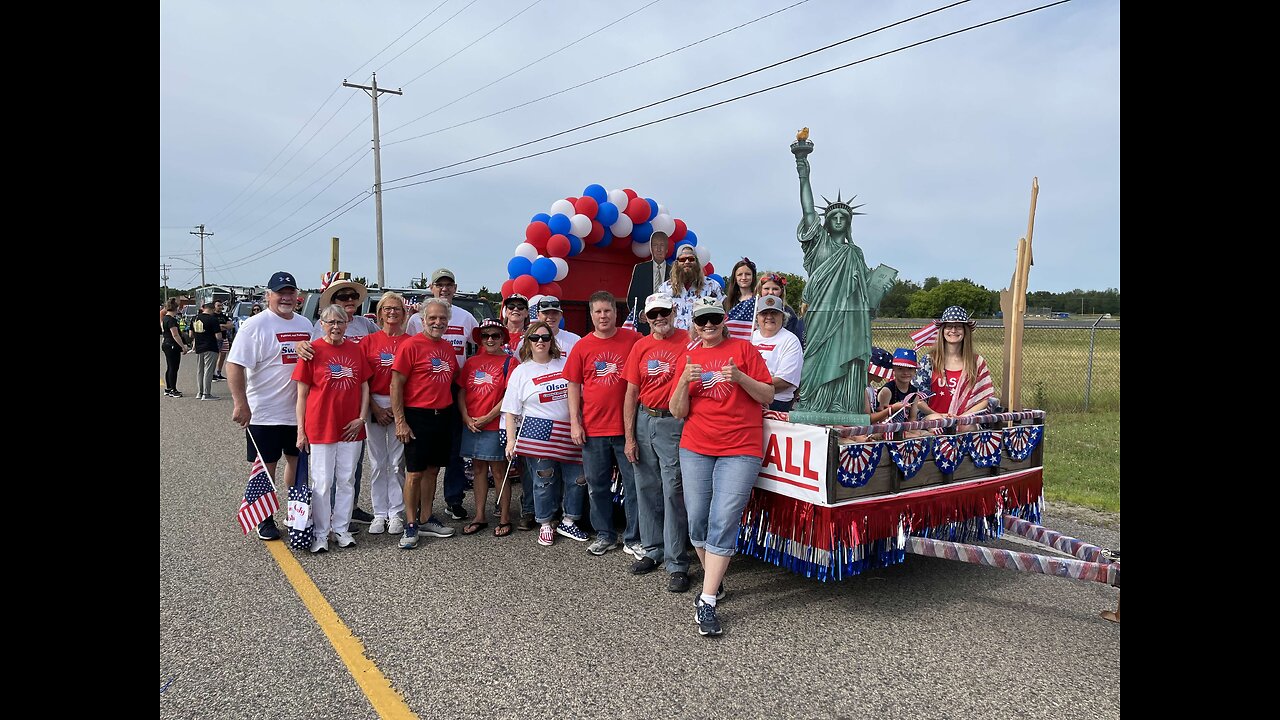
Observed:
{"x":704,"y":255}
{"x":533,"y":306}
{"x":525,"y":250}
{"x":562,"y":268}
{"x":622,"y":228}
{"x":564,"y":207}
{"x":663,"y":209}
{"x":664,"y":224}
{"x":580,"y":225}
{"x":619,"y":198}
{"x":643,"y":250}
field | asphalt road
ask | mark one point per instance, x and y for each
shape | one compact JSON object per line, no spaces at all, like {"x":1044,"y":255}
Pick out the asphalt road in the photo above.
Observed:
{"x":501,"y":627}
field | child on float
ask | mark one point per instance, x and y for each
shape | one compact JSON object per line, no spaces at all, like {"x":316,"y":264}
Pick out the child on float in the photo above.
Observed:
{"x":899,"y":393}
{"x":879,"y":369}
{"x":954,"y":371}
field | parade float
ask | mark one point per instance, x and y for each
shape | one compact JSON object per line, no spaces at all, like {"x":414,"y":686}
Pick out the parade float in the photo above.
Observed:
{"x":837,"y":495}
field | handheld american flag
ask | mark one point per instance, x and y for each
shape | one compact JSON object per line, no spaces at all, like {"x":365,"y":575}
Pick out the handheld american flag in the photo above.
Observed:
{"x":540,"y":437}
{"x":925,"y":335}
{"x":259,"y":497}
{"x":740,"y":329}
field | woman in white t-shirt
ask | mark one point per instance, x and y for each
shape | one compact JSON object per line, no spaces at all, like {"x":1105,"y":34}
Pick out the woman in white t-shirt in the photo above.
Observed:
{"x":780,"y":349}
{"x":538,"y":392}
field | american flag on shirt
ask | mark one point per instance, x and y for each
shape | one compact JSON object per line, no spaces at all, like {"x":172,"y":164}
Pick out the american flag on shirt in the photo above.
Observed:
{"x":925,"y":335}
{"x":438,"y":365}
{"x":385,"y":358}
{"x":604,"y":368}
{"x":337,"y":372}
{"x":711,"y":379}
{"x":658,"y":367}
{"x":543,"y":438}
{"x":260,"y":500}
{"x":483,"y":378}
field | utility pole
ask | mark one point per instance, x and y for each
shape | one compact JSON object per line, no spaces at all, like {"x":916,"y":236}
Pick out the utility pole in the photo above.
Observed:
{"x":373,"y":93}
{"x":164,"y":275}
{"x":202,"y":235}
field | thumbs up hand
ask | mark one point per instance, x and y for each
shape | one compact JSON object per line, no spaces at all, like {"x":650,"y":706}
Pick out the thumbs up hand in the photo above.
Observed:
{"x":730,"y":371}
{"x":692,"y":370}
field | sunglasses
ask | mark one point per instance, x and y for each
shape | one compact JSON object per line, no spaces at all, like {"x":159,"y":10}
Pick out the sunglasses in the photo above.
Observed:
{"x":708,"y":320}
{"x":657,"y":313}
{"x":517,"y":307}
{"x":490,"y":336}
{"x":347,"y":296}
{"x":688,"y":259}
{"x":549,"y":307}
{"x":539,"y":338}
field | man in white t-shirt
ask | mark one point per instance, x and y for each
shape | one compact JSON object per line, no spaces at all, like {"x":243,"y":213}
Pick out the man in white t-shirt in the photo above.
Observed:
{"x":550,"y":313}
{"x":260,"y":373}
{"x":461,"y":322}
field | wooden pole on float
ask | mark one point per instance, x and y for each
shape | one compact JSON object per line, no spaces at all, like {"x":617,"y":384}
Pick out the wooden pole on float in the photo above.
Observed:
{"x":1013,"y":303}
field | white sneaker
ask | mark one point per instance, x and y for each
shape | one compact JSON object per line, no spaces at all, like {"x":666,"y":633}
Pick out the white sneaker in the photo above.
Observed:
{"x":395,"y":525}
{"x":320,"y":545}
{"x":345,"y":540}
{"x":378,"y":526}
{"x":636,"y":551}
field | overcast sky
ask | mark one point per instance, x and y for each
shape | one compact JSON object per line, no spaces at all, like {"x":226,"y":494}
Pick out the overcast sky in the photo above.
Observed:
{"x":259,"y":141}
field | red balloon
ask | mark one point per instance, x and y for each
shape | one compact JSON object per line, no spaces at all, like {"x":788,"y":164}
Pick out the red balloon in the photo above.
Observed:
{"x":572,"y":200}
{"x":541,"y":244}
{"x":671,"y":250}
{"x":681,"y":229}
{"x":597,"y":232}
{"x":587,"y":205}
{"x":638,"y":210}
{"x":631,"y":194}
{"x":537,"y":231}
{"x":525,"y":285}
{"x":508,"y":287}
{"x":558,"y":246}
{"x":708,"y":269}
{"x":551,"y":288}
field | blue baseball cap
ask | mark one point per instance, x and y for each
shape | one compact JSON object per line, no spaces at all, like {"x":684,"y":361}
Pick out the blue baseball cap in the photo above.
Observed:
{"x":905,"y":358}
{"x":280,"y":281}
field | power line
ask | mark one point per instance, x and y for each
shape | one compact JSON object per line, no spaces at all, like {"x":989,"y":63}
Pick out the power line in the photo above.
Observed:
{"x":597,"y":79}
{"x":527,"y":66}
{"x":473,"y":42}
{"x":704,"y":107}
{"x":304,"y":232}
{"x":680,"y":95}
{"x":424,"y":37}
{"x":393,"y":42}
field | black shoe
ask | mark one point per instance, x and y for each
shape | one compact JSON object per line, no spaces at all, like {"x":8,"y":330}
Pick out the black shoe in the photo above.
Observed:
{"x":360,"y":516}
{"x":267,"y":530}
{"x":705,"y":616}
{"x":526,"y":522}
{"x":457,"y":512}
{"x":643,"y":566}
{"x":678,"y":583}
{"x":720,"y":592}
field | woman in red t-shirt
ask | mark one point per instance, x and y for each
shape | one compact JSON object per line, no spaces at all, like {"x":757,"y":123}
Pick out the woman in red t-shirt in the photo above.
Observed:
{"x":484,"y":381}
{"x":386,"y":452}
{"x":954,"y":371}
{"x":332,"y":407}
{"x":723,"y":384}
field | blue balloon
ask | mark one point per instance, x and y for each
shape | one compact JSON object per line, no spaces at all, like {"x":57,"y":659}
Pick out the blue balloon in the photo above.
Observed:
{"x":596,"y":192}
{"x":717,"y":278}
{"x":653,"y":208}
{"x":575,"y":244}
{"x":642,"y":233}
{"x":607,"y":214}
{"x":540,"y":217}
{"x":607,"y":240}
{"x":560,"y":224}
{"x":690,"y":239}
{"x":543,"y":270}
{"x":518,"y":266}
{"x":676,"y":248}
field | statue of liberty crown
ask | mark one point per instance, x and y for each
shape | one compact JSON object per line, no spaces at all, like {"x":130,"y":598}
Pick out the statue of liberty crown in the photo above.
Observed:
{"x":840,"y":205}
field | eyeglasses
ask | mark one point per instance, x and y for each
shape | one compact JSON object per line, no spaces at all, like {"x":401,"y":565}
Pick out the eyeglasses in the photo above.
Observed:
{"x":539,"y":338}
{"x":708,"y":320}
{"x":335,"y":322}
{"x":657,"y":313}
{"x":445,"y":284}
{"x":392,"y":308}
{"x":490,"y":336}
{"x":347,"y":296}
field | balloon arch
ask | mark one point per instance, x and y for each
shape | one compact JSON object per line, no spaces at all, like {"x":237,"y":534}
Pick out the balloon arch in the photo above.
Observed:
{"x":600,"y":236}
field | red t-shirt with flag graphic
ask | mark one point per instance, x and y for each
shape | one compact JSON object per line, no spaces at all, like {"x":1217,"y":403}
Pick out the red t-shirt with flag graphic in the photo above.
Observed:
{"x":428,"y":366}
{"x":380,"y":350}
{"x":336,"y":374}
{"x":484,"y":384}
{"x":723,"y":419}
{"x":943,"y":385}
{"x":652,"y":367}
{"x":598,"y":364}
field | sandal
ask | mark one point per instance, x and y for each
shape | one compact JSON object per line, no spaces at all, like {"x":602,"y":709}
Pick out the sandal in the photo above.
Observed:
{"x":503,"y":530}
{"x":474,"y":527}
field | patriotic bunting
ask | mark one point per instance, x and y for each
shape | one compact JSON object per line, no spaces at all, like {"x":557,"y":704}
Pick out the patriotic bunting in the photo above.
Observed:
{"x":858,"y":463}
{"x":948,"y":451}
{"x":909,"y":455}
{"x":985,"y":448}
{"x":1021,"y":441}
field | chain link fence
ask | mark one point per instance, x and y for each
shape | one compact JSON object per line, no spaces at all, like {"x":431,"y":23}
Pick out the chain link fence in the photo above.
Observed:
{"x":1064,"y":368}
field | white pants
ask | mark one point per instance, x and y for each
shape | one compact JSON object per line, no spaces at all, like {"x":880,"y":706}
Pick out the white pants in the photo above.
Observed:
{"x":386,"y":465}
{"x":333,"y":469}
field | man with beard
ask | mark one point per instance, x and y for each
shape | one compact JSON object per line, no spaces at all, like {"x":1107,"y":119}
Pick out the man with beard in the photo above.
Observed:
{"x":687,"y":284}
{"x":264,"y":395}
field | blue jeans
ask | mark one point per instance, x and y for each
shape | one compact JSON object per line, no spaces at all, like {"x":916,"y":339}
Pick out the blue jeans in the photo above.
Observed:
{"x":664,"y":522}
{"x":716,"y":491}
{"x":598,"y":456}
{"x":455,"y":477}
{"x":554,"y":481}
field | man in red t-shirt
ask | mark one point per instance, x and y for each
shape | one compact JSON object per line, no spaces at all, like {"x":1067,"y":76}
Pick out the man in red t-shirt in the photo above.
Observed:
{"x":653,"y":444}
{"x":596,"y":393}
{"x":422,"y":401}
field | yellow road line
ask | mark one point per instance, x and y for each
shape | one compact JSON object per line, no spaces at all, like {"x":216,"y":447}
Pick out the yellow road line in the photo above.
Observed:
{"x":386,"y":701}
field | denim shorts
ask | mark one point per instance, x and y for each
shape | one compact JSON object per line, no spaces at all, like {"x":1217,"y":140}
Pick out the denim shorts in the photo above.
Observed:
{"x":716,"y":490}
{"x":482,"y":445}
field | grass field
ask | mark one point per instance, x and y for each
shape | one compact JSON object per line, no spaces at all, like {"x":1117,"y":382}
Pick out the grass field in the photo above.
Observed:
{"x":1082,"y":459}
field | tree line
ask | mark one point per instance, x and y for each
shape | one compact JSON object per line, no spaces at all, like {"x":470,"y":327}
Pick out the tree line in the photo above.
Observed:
{"x":908,"y":299}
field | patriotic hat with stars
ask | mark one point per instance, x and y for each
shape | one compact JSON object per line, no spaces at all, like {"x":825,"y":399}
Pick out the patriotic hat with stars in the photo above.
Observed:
{"x":956,"y":314}
{"x":881,"y":364}
{"x":905,"y":358}
{"x":484,"y":325}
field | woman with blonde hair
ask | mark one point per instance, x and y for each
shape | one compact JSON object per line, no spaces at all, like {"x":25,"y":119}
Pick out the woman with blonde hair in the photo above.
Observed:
{"x":386,"y":452}
{"x":953,"y":370}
